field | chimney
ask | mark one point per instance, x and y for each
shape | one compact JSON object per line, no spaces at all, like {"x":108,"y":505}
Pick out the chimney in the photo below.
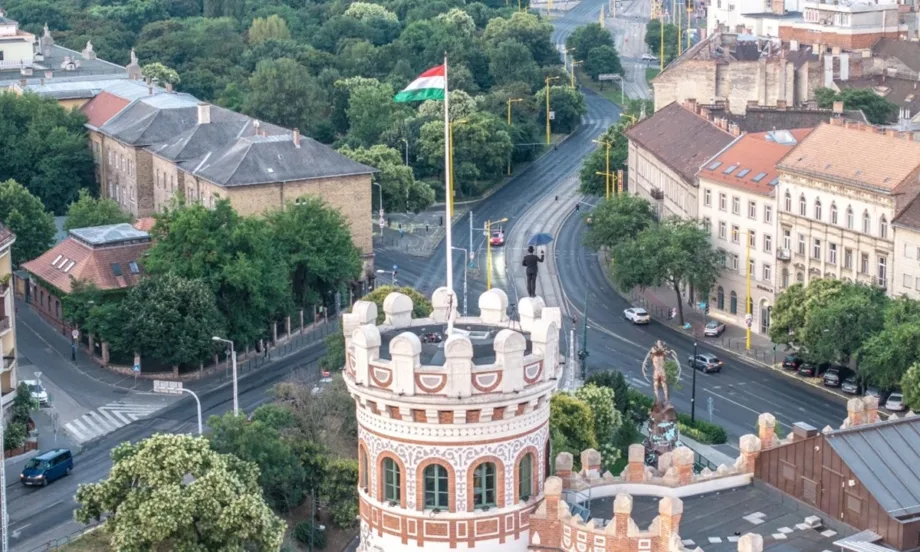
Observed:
{"x":838,"y":108}
{"x":734,"y":129}
{"x":801,"y":431}
{"x":690,"y":104}
{"x":295,"y":136}
{"x":670,"y":510}
{"x":781,"y":105}
{"x":835,"y":50}
{"x":892,"y":132}
{"x":169,"y":88}
{"x":871,"y":404}
{"x":856,"y":413}
{"x":793,"y":45}
{"x":204,"y":113}
{"x":766,"y":430}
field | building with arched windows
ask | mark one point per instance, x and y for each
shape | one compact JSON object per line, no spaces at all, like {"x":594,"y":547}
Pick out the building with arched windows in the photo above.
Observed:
{"x":453,"y":436}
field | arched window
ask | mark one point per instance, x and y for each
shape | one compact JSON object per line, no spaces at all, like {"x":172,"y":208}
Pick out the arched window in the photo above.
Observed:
{"x":436,"y":489}
{"x":525,"y":477}
{"x":720,"y":299}
{"x":817,"y":209}
{"x":363,"y":480}
{"x":867,"y":223}
{"x":803,"y":206}
{"x":850,"y":222}
{"x":733,"y":307}
{"x":800,"y":278}
{"x":833,"y":213}
{"x":484,"y":487}
{"x":392,"y":481}
{"x":882,"y":227}
{"x":788,"y":204}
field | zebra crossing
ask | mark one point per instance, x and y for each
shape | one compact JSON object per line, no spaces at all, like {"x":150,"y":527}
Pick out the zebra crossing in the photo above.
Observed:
{"x":108,"y":418}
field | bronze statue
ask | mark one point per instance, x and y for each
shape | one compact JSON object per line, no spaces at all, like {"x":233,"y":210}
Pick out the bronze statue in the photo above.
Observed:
{"x":659,"y":354}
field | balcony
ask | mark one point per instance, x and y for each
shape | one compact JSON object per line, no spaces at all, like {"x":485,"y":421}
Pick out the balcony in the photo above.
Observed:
{"x":8,"y":362}
{"x":783,"y":254}
{"x":4,"y":325}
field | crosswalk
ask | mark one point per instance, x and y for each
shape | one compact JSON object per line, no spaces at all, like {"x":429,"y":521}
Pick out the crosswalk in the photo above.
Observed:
{"x":108,"y":418}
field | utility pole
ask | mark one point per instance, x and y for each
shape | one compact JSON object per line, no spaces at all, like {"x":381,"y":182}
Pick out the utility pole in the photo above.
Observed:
{"x":466,"y":267}
{"x":607,"y":176}
{"x":693,"y":387}
{"x":583,"y":354}
{"x":548,"y":80}
{"x":3,"y":512}
{"x":680,"y":18}
{"x":509,"y":102}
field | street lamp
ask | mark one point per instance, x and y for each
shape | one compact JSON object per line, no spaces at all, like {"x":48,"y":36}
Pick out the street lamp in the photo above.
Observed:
{"x":466,"y":266}
{"x":380,"y":210}
{"x":451,"y":161}
{"x":607,"y":172}
{"x":572,"y":71}
{"x":236,"y":399}
{"x":392,"y":274}
{"x":547,"y":81}
{"x":509,"y":102}
{"x":489,"y":224}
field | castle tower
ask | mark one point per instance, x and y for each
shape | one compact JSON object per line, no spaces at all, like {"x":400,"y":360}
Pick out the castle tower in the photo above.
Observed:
{"x":453,"y":437}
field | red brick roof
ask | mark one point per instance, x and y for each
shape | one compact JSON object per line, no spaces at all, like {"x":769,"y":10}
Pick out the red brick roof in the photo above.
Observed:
{"x":145,"y":224}
{"x":757,"y":154}
{"x":103,"y":107}
{"x":74,"y":260}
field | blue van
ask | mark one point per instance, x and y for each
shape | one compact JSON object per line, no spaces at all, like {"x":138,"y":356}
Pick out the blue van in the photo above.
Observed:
{"x":46,"y":467}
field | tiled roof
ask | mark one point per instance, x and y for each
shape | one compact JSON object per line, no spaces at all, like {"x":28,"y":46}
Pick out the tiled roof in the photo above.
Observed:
{"x":681,"y":139}
{"x":751,"y":161}
{"x":145,"y":224}
{"x":857,"y":156}
{"x":107,"y":267}
{"x":910,"y":216}
{"x":906,"y":51}
{"x":102,"y":108}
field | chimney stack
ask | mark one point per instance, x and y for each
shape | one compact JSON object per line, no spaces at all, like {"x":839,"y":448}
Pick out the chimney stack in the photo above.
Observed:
{"x":781,"y":105}
{"x":169,"y":87}
{"x":838,"y":108}
{"x":295,"y":136}
{"x":204,"y":113}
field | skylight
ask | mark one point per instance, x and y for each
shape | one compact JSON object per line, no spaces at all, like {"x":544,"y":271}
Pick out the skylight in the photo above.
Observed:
{"x":132,"y":266}
{"x":743,"y":173}
{"x":714,"y":165}
{"x":759,"y":176}
{"x":116,"y":269}
{"x":730,"y":169}
{"x":774,"y":182}
{"x":69,"y":266}
{"x":56,"y":259}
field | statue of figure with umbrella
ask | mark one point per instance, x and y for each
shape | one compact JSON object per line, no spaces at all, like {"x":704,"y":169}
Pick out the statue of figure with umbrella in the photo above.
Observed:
{"x":531,"y":260}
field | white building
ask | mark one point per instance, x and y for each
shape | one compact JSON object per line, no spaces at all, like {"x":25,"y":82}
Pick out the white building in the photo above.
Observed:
{"x":906,"y":279}
{"x":738,"y":205}
{"x":758,"y":17}
{"x":839,"y":191}
{"x":16,"y":46}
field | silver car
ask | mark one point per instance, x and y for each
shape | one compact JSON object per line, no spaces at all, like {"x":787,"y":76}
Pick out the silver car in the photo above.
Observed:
{"x":895,"y":402}
{"x":38,"y":392}
{"x":636,"y":315}
{"x":714,"y":329}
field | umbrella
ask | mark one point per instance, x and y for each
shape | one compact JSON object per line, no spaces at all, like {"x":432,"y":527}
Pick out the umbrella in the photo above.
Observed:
{"x":540,"y":239}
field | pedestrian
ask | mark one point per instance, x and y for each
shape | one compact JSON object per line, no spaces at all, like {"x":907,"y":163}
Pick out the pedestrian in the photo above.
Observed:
{"x":530,"y":261}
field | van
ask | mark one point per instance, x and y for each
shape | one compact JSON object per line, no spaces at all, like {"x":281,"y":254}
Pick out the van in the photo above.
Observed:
{"x":46,"y":467}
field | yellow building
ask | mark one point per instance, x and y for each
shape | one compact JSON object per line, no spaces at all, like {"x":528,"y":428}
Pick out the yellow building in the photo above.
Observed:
{"x":8,"y":379}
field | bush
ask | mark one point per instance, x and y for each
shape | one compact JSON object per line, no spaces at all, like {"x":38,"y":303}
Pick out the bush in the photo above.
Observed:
{"x":704,"y":432}
{"x":14,"y":435}
{"x":305,"y":532}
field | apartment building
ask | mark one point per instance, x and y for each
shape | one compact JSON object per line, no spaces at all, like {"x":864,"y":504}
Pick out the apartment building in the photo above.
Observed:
{"x":8,"y":379}
{"x":906,"y":280}
{"x":839,"y":191}
{"x":738,"y":206}
{"x":846,"y":24}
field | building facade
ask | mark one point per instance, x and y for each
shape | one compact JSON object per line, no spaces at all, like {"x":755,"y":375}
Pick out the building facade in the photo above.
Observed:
{"x":738,"y":206}
{"x":906,"y":279}
{"x":836,"y":207}
{"x":846,"y":24}
{"x":8,"y":379}
{"x":17,"y":47}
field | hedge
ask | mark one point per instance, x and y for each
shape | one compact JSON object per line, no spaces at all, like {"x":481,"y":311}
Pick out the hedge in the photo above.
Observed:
{"x":699,"y":430}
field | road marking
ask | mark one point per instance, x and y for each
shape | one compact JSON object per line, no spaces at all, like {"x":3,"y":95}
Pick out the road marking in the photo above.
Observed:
{"x":16,"y":532}
{"x":710,"y":391}
{"x":108,"y":418}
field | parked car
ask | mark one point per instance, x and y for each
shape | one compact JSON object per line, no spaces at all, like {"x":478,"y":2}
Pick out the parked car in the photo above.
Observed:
{"x":637,"y":315}
{"x":649,"y":57}
{"x":37,"y":390}
{"x":895,"y":402}
{"x":812,"y":369}
{"x":873,"y":391}
{"x":498,"y":237}
{"x":834,"y":376}
{"x":850,"y":386}
{"x":707,"y":362}
{"x":46,"y":467}
{"x":792,"y":362}
{"x":714,"y":329}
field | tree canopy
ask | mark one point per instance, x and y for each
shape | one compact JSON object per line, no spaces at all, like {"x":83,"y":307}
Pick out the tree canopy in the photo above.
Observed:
{"x":25,"y":216}
{"x":877,"y":109}
{"x":602,"y":59}
{"x":175,"y":492}
{"x":618,"y":220}
{"x":89,"y":211}
{"x":653,"y":40}
{"x":586,"y":38}
{"x":596,"y":162}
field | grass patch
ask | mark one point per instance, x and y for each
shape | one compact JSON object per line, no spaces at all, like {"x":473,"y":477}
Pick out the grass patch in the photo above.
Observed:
{"x":95,"y":541}
{"x":607,"y":89}
{"x":651,"y":73}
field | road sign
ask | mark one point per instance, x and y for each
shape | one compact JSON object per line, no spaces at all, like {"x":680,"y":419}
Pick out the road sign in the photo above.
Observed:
{"x":472,"y":255}
{"x":395,"y":267}
{"x":137,"y":363}
{"x":552,"y":115}
{"x":748,"y":320}
{"x":606,"y":76}
{"x":167,"y":387}
{"x":75,"y":335}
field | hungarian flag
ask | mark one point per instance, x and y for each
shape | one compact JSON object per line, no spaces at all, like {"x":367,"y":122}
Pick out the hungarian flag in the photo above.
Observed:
{"x":428,"y":86}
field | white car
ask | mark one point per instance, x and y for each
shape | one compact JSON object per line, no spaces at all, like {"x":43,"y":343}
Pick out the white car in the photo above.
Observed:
{"x":895,"y":402}
{"x":636,"y":315}
{"x":649,"y":57}
{"x":38,"y":392}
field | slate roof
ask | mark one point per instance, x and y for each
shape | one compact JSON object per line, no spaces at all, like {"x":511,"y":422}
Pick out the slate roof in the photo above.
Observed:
{"x":90,"y":70}
{"x":906,"y":51}
{"x":679,"y":138}
{"x":199,"y":140}
{"x":901,"y":92}
{"x":155,"y":119}
{"x":884,"y":457}
{"x":752,"y":160}
{"x":765,"y":119}
{"x":910,"y":216}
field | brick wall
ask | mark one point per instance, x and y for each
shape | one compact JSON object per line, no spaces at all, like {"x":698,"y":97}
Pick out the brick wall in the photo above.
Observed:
{"x":841,"y":40}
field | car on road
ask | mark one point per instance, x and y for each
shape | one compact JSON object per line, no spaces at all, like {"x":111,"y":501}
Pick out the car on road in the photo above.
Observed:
{"x":851,"y":386}
{"x":895,"y":402}
{"x":320,"y":386}
{"x":637,"y":315}
{"x":649,"y":57}
{"x":46,"y":467}
{"x":707,"y":362}
{"x":813,"y":369}
{"x":793,"y":362}
{"x":834,"y":377}
{"x":37,"y":390}
{"x":714,"y":329}
{"x":498,"y":237}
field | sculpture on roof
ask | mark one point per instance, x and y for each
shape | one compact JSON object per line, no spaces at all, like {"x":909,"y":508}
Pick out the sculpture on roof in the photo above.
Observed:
{"x":663,"y":433}
{"x":134,"y":68}
{"x":46,"y":42}
{"x":660,"y":354}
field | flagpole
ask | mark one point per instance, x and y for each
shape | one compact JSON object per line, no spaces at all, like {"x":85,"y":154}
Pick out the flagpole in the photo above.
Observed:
{"x":448,"y":203}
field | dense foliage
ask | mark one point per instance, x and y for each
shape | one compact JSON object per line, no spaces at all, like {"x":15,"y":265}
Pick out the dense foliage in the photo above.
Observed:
{"x":596,"y":162}
{"x":89,"y":211}
{"x":877,"y":109}
{"x":23,"y":214}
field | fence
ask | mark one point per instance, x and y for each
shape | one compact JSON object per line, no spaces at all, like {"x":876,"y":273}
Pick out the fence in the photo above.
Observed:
{"x":63,"y":541}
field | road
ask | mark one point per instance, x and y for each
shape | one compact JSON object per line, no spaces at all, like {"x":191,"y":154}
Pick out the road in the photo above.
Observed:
{"x":628,"y":29}
{"x":39,"y":515}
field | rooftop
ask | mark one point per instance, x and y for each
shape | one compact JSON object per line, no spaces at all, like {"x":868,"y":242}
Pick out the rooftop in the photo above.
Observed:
{"x":883,"y":163}
{"x":910,"y":216}
{"x":905,"y":51}
{"x":750,"y":163}
{"x":63,"y":64}
{"x":724,"y":48}
{"x":716,"y":521}
{"x":102,"y":108}
{"x":904,"y":93}
{"x":767,"y":118}
{"x":667,"y":133}
{"x":110,"y":234}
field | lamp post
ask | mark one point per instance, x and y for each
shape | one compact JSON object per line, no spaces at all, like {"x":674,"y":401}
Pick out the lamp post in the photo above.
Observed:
{"x":406,"y":142}
{"x":451,"y":161}
{"x":380,"y":210}
{"x":489,"y":224}
{"x":693,"y":387}
{"x":509,"y":102}
{"x":607,"y":172}
{"x":547,"y":81}
{"x":392,"y":274}
{"x":236,"y":399}
{"x":466,"y":266}
{"x":572,"y":72}
{"x":622,"y":86}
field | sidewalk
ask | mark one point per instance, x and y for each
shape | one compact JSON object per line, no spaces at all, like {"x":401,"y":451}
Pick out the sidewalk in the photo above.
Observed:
{"x":50,"y":436}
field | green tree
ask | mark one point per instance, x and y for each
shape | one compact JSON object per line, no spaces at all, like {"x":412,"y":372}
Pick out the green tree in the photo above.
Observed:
{"x":224,"y":8}
{"x":877,"y":109}
{"x":596,"y":162}
{"x":173,"y":492}
{"x":573,"y":420}
{"x":835,"y":329}
{"x":615,"y":380}
{"x":567,"y":105}
{"x":284,"y":92}
{"x":334,"y":358}
{"x":885,"y":357}
{"x":788,"y":314}
{"x":271,"y":27}
{"x":527,"y":29}
{"x":401,"y":191}
{"x":653,"y":40}
{"x":171,"y":319}
{"x":89,"y":211}
{"x":602,"y":59}
{"x":602,"y":402}
{"x":510,"y":61}
{"x":77,"y":305}
{"x":133,"y":13}
{"x":421,"y":306}
{"x":910,"y":385}
{"x":280,"y":474}
{"x":619,"y":220}
{"x":24,"y":215}
{"x":339,"y":490}
{"x":160,"y":73}
{"x":236,"y":256}
{"x":370,"y":111}
{"x":365,"y":11}
{"x":586,"y":38}
{"x":315,"y":241}
{"x":674,"y":253}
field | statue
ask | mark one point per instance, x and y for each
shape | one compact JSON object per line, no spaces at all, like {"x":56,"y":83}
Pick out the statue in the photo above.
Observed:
{"x":659,"y":354}
{"x":662,"y":424}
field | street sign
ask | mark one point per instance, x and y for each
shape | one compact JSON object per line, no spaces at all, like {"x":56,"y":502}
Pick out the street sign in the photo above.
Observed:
{"x":137,"y":363}
{"x":552,"y":115}
{"x":395,"y":267}
{"x":167,"y":387}
{"x":472,"y":255}
{"x":606,"y":76}
{"x":748,"y":320}
{"x":75,"y":335}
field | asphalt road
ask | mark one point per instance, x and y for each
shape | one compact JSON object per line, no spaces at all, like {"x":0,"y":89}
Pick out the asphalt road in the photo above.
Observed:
{"x":39,"y":515}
